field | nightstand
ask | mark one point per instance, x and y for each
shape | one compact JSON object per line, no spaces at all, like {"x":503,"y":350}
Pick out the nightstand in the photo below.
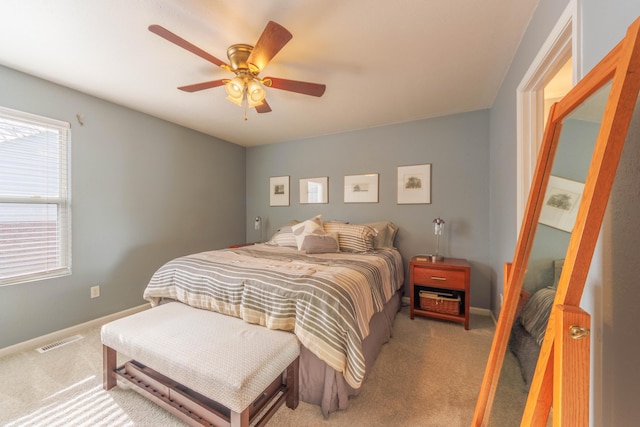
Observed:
{"x":451,"y":276}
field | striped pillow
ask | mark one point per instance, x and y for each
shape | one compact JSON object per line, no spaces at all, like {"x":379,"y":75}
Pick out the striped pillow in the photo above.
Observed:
{"x":386,"y":234}
{"x":284,"y":236}
{"x":352,"y":237}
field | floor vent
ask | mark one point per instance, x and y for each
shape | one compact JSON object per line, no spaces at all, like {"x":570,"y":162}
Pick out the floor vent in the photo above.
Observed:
{"x":59,"y":343}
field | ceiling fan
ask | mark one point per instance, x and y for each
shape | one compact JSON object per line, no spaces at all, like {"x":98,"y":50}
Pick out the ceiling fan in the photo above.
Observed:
{"x":246,"y":61}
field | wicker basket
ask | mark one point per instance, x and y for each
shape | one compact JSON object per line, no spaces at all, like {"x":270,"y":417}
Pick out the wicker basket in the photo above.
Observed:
{"x":433,"y":301}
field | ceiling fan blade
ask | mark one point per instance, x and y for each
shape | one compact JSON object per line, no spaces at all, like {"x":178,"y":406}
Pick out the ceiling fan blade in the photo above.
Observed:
{"x":272,"y":39}
{"x":264,"y":107}
{"x":204,"y":85}
{"x":175,"y":39}
{"x":306,"y":88}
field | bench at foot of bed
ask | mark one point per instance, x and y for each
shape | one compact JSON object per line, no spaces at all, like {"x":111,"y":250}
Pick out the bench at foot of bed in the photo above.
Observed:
{"x":204,"y":367}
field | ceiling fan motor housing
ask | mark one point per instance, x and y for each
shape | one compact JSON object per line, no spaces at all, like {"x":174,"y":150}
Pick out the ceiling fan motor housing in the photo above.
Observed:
{"x":238,"y":55}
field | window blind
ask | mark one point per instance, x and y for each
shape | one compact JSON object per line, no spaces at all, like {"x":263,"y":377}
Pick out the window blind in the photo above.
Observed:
{"x":35,"y":232}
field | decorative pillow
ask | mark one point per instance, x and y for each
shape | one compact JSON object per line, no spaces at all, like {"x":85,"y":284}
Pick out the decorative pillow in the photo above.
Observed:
{"x":386,"y":234}
{"x":352,"y":237}
{"x":320,"y":244}
{"x":312,"y":226}
{"x":284,"y":236}
{"x":535,"y":314}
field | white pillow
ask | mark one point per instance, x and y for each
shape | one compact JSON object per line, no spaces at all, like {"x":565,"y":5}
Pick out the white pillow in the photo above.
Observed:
{"x":312,"y":226}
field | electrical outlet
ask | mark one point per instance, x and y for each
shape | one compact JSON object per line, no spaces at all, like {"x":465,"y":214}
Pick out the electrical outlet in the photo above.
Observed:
{"x":95,"y":291}
{"x":501,"y":298}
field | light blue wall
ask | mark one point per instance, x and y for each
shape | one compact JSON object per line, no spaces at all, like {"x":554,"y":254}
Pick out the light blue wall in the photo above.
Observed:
{"x":143,"y":191}
{"x":457,"y":146}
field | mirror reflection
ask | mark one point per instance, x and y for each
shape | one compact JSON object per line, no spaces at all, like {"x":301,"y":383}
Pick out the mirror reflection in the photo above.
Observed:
{"x":562,"y":199}
{"x":314,"y":190}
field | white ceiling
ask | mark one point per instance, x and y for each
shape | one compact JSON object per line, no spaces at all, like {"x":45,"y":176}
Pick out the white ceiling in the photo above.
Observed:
{"x":383,"y":62}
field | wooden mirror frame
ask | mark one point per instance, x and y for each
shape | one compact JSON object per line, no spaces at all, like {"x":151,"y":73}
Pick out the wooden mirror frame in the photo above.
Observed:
{"x":621,"y":67}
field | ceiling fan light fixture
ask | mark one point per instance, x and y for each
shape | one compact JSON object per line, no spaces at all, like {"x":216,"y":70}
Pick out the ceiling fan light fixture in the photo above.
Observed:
{"x":246,"y":89}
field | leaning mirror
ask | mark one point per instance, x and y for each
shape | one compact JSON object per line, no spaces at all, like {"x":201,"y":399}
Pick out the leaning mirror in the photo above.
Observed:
{"x":575,"y":147}
{"x":576,"y":167}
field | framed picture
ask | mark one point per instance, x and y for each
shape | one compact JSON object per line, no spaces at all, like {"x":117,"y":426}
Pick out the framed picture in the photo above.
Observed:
{"x":361,"y":188}
{"x":561,"y":203}
{"x":414,"y":184}
{"x":314,"y":190}
{"x":279,"y":191}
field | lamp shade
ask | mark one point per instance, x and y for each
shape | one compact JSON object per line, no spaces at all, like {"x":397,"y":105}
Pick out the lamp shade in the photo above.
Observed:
{"x":235,"y":90}
{"x":255,"y":93}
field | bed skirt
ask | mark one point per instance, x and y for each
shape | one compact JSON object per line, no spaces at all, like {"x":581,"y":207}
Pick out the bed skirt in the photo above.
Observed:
{"x":324,"y":386}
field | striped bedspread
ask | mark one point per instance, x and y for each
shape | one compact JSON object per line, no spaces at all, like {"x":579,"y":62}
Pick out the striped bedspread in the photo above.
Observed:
{"x":327,"y":300}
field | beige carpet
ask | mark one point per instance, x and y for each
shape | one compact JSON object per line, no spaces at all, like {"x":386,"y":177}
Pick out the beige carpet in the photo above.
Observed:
{"x":429,"y":374}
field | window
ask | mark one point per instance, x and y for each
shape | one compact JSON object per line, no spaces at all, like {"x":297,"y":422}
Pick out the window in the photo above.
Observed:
{"x":35,"y":231}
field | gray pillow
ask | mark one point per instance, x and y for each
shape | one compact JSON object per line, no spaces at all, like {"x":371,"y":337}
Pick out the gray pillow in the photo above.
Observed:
{"x":320,"y":244}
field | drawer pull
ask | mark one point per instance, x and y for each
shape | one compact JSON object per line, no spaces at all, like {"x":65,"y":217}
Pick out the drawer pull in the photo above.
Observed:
{"x":438,"y":278}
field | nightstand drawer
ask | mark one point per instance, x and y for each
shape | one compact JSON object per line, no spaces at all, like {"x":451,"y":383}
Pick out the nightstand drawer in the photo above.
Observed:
{"x":454,"y":279}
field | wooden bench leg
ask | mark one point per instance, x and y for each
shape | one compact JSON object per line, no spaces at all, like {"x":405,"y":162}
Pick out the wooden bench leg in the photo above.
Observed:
{"x":109,"y":360}
{"x":292,"y":383}
{"x":240,"y":419}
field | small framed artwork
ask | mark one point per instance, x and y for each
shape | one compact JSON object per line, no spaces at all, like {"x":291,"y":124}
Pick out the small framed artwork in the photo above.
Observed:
{"x":561,"y":203}
{"x":314,"y":190}
{"x":279,"y":191}
{"x":361,"y":188}
{"x":414,"y":184}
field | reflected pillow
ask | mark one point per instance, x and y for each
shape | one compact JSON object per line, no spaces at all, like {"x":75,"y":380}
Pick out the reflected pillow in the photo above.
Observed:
{"x":535,"y":314}
{"x":557,"y":270}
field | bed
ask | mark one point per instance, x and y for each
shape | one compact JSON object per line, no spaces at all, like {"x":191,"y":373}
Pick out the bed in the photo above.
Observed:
{"x":338,"y":289}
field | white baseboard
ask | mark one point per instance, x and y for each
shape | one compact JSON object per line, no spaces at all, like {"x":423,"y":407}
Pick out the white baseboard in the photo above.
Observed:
{"x":54,"y":336}
{"x":481,"y":311}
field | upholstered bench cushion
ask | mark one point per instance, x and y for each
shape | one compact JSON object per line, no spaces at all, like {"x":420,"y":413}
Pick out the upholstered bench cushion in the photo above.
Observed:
{"x":220,"y":357}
